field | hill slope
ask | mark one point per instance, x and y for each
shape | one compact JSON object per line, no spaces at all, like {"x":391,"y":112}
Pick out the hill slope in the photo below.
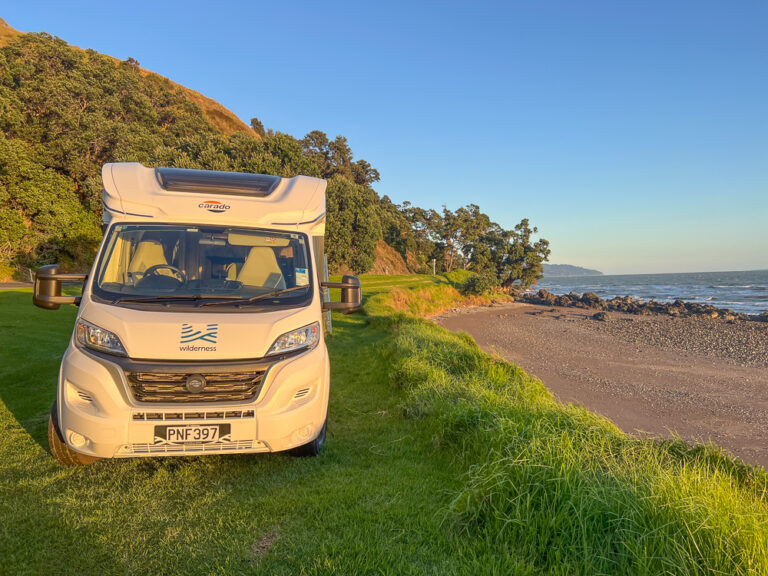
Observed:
{"x":7,"y":33}
{"x":64,"y":112}
{"x":224,"y":120}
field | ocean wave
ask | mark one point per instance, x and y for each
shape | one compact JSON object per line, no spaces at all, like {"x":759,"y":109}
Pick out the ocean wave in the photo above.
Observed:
{"x":745,"y":292}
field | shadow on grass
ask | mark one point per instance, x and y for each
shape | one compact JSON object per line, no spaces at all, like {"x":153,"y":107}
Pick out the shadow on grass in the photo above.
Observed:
{"x":32,"y":342}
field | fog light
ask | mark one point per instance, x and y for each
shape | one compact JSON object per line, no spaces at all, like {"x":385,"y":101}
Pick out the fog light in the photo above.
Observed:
{"x":305,"y":432}
{"x":77,"y":439}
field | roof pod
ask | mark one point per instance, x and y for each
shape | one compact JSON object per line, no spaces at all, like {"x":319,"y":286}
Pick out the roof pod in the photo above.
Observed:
{"x":133,"y":192}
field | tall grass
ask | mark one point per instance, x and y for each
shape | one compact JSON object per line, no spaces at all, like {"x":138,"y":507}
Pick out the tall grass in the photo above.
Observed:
{"x":558,"y":489}
{"x":459,"y":277}
{"x":424,"y":299}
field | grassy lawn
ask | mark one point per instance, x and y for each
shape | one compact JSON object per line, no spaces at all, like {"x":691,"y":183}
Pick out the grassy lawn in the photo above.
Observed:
{"x":440,"y":460}
{"x":373,"y":502}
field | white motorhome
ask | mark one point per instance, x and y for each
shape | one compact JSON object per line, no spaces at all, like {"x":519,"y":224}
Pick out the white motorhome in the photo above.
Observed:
{"x":201,"y":323}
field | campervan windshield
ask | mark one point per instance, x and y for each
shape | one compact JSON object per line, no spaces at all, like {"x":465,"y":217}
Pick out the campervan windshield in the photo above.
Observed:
{"x":203,"y":265}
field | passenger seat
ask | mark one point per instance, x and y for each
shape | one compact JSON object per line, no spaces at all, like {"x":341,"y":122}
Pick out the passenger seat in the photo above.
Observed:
{"x":261,"y":269}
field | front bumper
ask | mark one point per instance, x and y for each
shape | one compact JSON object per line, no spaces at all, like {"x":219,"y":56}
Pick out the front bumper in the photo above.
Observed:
{"x":99,"y":416}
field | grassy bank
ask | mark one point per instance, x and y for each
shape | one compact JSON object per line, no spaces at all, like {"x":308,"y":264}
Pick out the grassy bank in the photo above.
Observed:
{"x":421,"y":296}
{"x":558,"y":489}
{"x":441,"y":459}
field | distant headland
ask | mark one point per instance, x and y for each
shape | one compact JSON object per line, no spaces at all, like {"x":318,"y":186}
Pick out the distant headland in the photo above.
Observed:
{"x":554,"y":270}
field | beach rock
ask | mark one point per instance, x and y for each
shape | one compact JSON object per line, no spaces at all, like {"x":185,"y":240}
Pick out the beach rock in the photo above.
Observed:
{"x":601,"y":317}
{"x":592,"y":300}
{"x":562,"y":301}
{"x":545,"y":297}
{"x":677,"y":308}
{"x":629,"y":305}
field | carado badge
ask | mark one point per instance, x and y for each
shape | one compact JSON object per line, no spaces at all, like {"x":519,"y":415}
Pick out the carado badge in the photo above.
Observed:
{"x":214,"y":206}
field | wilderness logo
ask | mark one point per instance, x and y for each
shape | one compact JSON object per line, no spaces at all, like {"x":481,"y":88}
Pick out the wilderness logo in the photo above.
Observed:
{"x":214,"y":206}
{"x":190,"y":333}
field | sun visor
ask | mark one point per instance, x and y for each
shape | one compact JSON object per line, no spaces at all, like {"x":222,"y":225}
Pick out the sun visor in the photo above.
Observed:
{"x":258,"y":239}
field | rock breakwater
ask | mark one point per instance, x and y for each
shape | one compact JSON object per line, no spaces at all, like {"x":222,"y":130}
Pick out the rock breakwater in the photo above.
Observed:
{"x":627,"y":304}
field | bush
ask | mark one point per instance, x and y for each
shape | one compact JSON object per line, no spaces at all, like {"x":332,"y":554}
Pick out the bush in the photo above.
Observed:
{"x":480,"y":284}
{"x":459,"y":277}
{"x":7,"y":272}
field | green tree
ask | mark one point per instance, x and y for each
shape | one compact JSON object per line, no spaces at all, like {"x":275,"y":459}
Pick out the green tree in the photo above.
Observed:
{"x":258,"y":127}
{"x":352,"y":226}
{"x":335,"y":158}
{"x":514,"y":254}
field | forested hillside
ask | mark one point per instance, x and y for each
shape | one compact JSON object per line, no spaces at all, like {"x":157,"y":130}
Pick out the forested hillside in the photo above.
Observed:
{"x":65,"y":111}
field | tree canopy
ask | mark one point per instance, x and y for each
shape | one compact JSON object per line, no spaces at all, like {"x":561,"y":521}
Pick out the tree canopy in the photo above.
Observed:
{"x":64,"y":112}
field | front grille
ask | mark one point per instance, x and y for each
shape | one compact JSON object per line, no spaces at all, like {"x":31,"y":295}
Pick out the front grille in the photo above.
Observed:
{"x":192,"y":448}
{"x":171,"y":387}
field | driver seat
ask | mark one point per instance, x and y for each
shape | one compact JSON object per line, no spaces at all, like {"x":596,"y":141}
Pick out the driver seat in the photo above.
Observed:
{"x":148,"y":253}
{"x":261,"y":269}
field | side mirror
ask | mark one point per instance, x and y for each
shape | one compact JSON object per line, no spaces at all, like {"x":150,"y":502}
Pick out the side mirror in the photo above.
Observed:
{"x":47,"y":291}
{"x":351,"y":294}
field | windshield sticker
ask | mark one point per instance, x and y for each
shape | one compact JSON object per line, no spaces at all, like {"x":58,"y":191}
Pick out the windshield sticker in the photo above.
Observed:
{"x":302,"y":278}
{"x":214,"y":206}
{"x":192,"y":333}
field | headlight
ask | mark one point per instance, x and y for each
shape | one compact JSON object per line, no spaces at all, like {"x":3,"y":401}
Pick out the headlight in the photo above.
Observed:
{"x":91,"y":336}
{"x":304,"y":338}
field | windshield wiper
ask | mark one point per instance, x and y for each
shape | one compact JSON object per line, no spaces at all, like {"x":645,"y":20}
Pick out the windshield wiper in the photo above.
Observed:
{"x":169,"y":298}
{"x":252,"y":298}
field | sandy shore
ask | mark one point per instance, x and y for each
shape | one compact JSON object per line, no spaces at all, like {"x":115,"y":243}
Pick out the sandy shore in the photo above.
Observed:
{"x":701,"y":378}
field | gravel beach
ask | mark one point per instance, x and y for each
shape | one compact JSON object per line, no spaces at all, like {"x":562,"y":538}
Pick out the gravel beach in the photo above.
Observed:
{"x":701,"y":378}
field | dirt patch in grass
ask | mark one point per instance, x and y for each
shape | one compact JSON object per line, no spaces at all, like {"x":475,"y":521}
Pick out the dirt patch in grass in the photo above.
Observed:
{"x":263,"y":544}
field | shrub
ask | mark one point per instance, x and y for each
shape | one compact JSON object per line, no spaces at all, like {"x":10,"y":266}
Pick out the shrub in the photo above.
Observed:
{"x":478,"y":284}
{"x":6,"y":272}
{"x":458,"y":278}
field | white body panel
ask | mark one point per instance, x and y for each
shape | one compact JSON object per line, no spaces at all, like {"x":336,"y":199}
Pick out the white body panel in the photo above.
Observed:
{"x":154,"y":335}
{"x":94,"y":397}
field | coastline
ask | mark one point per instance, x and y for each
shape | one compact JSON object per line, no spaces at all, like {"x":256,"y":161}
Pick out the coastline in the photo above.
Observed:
{"x":701,"y":377}
{"x":627,"y":304}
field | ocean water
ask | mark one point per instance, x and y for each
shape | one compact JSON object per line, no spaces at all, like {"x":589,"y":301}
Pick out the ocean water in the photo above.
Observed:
{"x":745,"y":292}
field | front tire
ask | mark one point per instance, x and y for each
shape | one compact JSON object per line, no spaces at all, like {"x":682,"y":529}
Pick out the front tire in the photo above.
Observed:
{"x":59,"y":449}
{"x":312,"y":448}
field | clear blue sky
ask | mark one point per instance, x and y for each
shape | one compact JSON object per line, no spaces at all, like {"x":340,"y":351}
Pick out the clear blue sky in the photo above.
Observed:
{"x":633,"y":134}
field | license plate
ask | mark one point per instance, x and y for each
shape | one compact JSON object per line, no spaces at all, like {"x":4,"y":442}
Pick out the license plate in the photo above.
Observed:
{"x":197,"y":433}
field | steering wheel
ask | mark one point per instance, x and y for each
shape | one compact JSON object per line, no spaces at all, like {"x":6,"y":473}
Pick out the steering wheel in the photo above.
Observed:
{"x":178,"y":275}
